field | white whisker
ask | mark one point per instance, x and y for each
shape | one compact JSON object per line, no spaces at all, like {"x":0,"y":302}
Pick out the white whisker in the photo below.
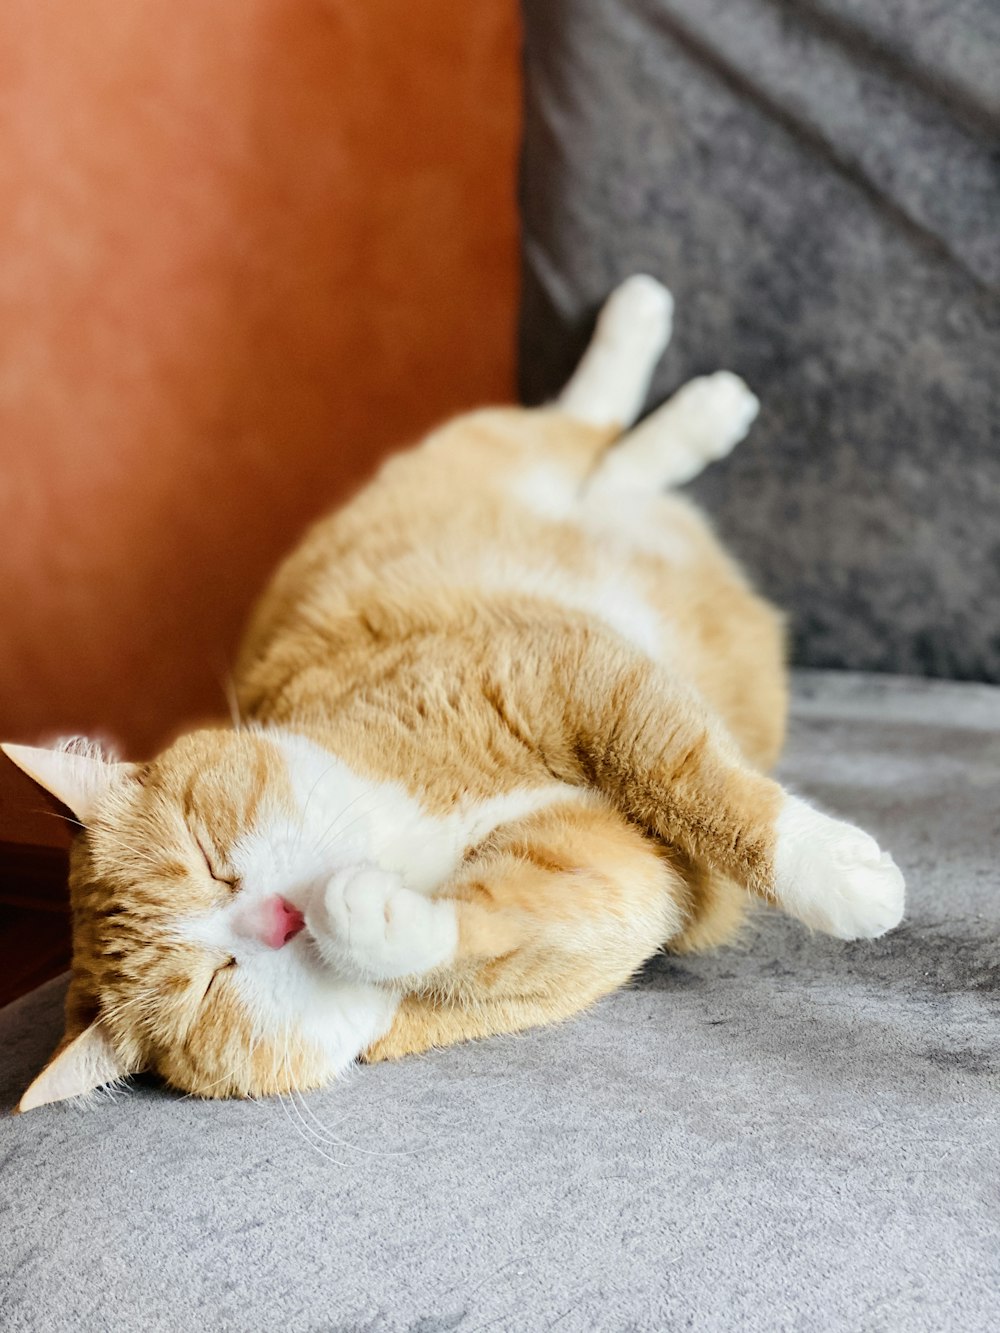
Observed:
{"x":323,"y":1133}
{"x":229,"y":689}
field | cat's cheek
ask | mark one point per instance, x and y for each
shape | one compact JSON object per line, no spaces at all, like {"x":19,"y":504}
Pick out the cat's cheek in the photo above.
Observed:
{"x":322,"y":1020}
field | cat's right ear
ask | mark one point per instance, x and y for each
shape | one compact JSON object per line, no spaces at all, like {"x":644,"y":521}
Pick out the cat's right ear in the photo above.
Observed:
{"x":86,"y":1062}
{"x":77,"y":779}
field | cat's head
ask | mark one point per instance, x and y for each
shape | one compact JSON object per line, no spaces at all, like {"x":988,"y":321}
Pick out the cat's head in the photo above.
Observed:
{"x":189,"y":881}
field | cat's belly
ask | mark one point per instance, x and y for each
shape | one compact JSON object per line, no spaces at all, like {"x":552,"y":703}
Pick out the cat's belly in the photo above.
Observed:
{"x":650,"y":567}
{"x":614,"y":596}
{"x":636,"y":562}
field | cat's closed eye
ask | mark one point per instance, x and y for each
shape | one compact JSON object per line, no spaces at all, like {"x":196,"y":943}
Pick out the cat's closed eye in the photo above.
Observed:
{"x":218,"y":874}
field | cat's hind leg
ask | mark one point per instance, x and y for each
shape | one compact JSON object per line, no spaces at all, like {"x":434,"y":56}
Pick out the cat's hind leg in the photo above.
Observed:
{"x":609,"y":386}
{"x":702,"y":422}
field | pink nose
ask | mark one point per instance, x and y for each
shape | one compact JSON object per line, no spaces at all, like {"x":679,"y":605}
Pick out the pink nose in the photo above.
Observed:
{"x":272,"y":921}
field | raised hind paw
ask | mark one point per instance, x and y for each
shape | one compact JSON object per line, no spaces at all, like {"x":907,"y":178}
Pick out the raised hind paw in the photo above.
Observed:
{"x":712,"y":413}
{"x":610,"y":385}
{"x":640,"y":310}
{"x":833,"y":876}
{"x":702,"y":422}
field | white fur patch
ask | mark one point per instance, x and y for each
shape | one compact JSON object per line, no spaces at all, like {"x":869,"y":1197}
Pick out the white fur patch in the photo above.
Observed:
{"x":344,"y":819}
{"x":619,"y":605}
{"x":633,"y":519}
{"x":366,"y":923}
{"x":612,"y":596}
{"x":610,"y":384}
{"x":637,"y":522}
{"x":616,"y":531}
{"x":704,"y":421}
{"x":549,"y":491}
{"x":835,"y":877}
{"x":293,"y":992}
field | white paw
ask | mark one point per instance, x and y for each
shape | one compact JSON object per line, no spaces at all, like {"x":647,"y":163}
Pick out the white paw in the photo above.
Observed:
{"x":610,"y":384}
{"x":366,"y":922}
{"x":640,"y":311}
{"x":713,"y":413}
{"x":835,"y":877}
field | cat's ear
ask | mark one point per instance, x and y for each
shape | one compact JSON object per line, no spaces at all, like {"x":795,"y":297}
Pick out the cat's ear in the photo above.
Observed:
{"x":86,"y":1062}
{"x":77,"y":779}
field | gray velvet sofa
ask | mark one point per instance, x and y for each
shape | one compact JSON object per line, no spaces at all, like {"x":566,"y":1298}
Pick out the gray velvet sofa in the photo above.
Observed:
{"x":797,"y":1134}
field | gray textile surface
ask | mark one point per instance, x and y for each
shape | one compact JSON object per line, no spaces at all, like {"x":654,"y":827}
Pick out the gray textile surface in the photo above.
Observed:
{"x":819,"y":183}
{"x":800,"y":1135}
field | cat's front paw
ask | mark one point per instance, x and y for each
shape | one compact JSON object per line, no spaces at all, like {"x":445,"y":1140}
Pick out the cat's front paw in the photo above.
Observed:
{"x":368,"y":923}
{"x":833,"y":876}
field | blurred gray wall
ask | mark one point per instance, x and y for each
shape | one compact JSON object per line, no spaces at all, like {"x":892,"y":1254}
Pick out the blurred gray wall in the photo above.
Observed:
{"x":819,"y":184}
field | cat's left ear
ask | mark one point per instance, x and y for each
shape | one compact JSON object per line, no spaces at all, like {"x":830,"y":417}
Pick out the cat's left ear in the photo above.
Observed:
{"x":78,"y":780}
{"x":79,"y":1066}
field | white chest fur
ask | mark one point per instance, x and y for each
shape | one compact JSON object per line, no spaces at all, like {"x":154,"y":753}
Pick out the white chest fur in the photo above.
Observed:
{"x":618,"y":527}
{"x":342,"y":818}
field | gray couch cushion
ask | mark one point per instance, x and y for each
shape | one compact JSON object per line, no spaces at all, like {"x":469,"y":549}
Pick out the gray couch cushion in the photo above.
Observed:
{"x":799,"y":1135}
{"x":819,"y":184}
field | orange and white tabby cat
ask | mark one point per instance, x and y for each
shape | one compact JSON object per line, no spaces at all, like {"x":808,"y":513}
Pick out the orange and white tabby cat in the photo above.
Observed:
{"x":505,"y":721}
